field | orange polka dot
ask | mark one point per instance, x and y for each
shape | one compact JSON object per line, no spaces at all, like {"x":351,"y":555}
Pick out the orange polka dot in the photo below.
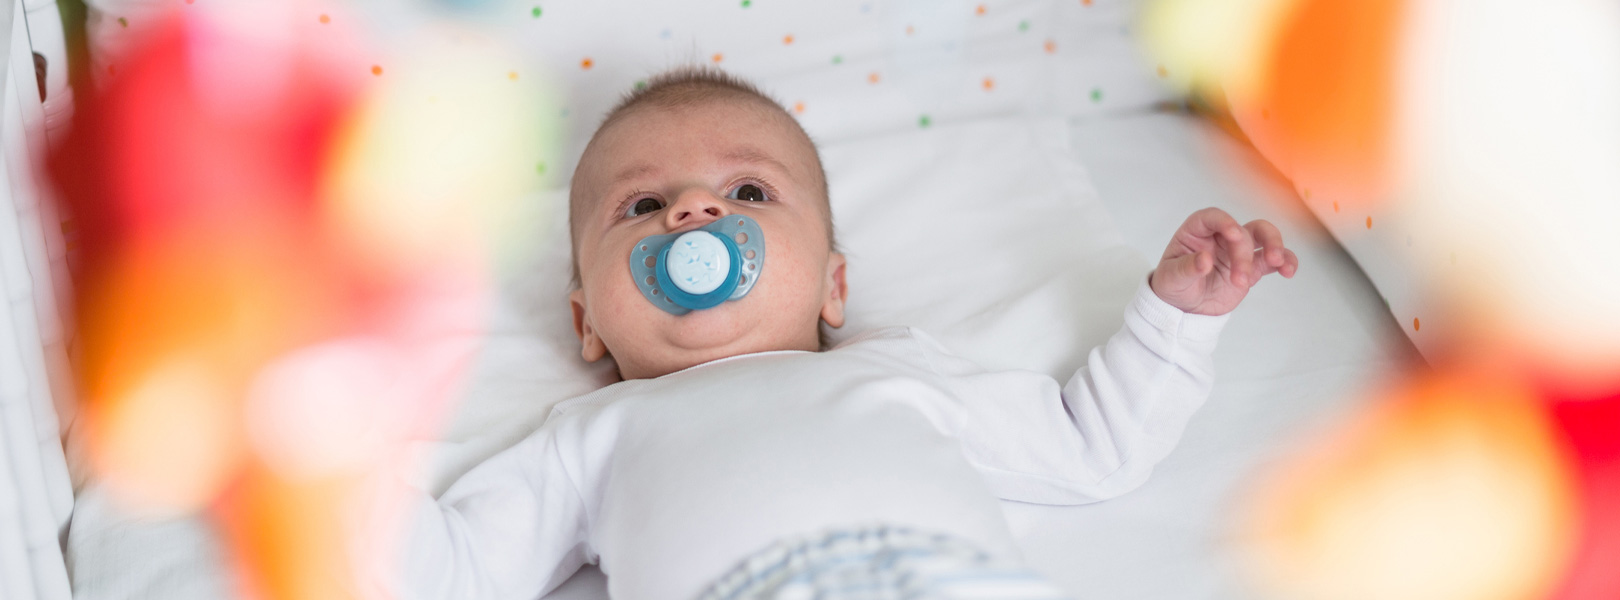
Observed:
{"x":512,"y":75}
{"x":989,"y":84}
{"x":872,"y":78}
{"x":979,"y":10}
{"x":717,"y":57}
{"x":910,"y":30}
{"x":1369,"y":222}
{"x":1306,"y":193}
{"x":326,"y":19}
{"x":190,"y":1}
{"x":586,"y":64}
{"x":1086,"y":2}
{"x":376,"y":69}
{"x":1415,"y":324}
{"x":1163,"y":72}
{"x":787,"y":39}
{"x":798,"y":107}
{"x":1335,"y":206}
{"x":1051,"y":46}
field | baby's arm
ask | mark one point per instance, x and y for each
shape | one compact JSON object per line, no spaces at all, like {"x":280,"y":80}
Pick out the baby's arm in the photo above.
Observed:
{"x":1100,"y":435}
{"x":1135,"y":394}
{"x":514,"y":527}
{"x":1124,"y":411}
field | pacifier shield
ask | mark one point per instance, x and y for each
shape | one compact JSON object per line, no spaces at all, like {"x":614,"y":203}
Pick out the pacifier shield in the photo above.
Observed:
{"x":701,"y":268}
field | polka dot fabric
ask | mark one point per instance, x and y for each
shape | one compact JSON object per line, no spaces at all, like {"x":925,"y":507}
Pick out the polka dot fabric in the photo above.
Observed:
{"x":1389,"y":248}
{"x":845,"y":68}
{"x":853,"y":68}
{"x":1103,"y":69}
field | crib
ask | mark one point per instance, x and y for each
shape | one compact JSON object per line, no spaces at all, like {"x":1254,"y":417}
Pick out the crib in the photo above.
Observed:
{"x":1036,"y":128}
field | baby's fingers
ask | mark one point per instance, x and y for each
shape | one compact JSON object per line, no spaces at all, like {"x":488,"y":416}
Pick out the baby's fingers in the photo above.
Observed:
{"x":1210,"y":223}
{"x":1289,"y":266}
{"x":1192,"y":267}
{"x":1269,"y":240}
{"x":1240,"y":256}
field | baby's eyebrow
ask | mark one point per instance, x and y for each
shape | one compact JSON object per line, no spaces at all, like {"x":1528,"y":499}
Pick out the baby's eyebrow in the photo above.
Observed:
{"x":750,"y":154}
{"x":636,"y":170}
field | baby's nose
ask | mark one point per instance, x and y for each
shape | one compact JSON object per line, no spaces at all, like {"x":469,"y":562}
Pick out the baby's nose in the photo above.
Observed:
{"x":694,"y":208}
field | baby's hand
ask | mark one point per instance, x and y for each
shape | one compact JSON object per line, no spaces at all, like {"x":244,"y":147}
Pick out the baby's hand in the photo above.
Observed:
{"x":1211,"y":263}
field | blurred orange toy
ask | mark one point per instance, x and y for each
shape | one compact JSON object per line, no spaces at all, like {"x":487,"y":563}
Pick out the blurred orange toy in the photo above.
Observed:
{"x":1313,"y":82}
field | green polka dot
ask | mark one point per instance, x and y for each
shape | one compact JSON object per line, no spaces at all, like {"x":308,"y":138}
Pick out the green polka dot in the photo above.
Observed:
{"x":641,"y":84}
{"x":535,"y":12}
{"x":1023,"y":25}
{"x":838,"y":59}
{"x":124,"y":22}
{"x":540,"y":168}
{"x":747,"y":3}
{"x":1096,"y":94}
{"x":924,"y":121}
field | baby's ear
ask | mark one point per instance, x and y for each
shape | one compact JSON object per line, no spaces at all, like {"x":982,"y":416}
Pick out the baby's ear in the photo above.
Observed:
{"x":832,"y":307}
{"x":591,"y":347}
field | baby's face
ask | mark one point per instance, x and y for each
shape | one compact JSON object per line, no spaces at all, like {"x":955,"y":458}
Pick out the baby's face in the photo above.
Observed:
{"x":664,"y":170}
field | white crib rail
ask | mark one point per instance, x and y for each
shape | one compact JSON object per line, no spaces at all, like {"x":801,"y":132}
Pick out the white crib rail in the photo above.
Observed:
{"x":36,"y":498}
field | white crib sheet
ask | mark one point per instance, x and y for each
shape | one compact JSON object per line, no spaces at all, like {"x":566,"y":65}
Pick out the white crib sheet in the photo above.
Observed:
{"x":1292,"y":359}
{"x":1095,"y":200}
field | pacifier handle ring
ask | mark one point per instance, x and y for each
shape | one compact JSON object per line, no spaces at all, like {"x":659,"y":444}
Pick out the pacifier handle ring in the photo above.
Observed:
{"x":700,"y":301}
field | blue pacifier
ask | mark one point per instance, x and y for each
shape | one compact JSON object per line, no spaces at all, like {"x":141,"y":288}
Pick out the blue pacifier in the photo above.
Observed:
{"x":698,"y":269}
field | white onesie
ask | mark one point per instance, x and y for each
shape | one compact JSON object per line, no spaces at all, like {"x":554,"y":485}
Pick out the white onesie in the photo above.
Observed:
{"x":668,"y":482}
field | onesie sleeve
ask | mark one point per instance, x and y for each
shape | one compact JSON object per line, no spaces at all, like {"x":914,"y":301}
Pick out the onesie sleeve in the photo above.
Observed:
{"x":513,"y":527}
{"x":1099,"y":435}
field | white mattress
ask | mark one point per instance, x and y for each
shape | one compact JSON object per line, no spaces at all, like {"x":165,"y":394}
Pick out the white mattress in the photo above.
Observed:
{"x":1293,"y":357}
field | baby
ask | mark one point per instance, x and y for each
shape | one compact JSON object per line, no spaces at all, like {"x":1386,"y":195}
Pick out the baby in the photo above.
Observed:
{"x":738,"y":459}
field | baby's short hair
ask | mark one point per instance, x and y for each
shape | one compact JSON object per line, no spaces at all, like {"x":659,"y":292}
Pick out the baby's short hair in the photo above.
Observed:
{"x":690,"y":86}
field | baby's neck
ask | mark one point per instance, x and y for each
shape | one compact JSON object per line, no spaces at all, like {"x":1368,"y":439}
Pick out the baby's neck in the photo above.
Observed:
{"x":689,"y":360}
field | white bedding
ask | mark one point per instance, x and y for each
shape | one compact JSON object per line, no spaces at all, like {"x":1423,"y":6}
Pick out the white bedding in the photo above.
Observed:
{"x":1067,"y":215}
{"x":1060,"y":217}
{"x":1293,"y":356}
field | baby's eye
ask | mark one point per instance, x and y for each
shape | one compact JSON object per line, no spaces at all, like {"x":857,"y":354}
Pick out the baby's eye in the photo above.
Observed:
{"x":643,"y":206}
{"x":748,"y":192}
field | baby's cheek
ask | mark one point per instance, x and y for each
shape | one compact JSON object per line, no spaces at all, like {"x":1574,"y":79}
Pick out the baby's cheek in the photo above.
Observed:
{"x":617,"y":304}
{"x":628,"y":305}
{"x":794,"y":281}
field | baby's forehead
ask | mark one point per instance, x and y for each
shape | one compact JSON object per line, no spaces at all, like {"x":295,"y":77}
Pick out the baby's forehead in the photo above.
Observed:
{"x":762,"y":118}
{"x":769,"y":135}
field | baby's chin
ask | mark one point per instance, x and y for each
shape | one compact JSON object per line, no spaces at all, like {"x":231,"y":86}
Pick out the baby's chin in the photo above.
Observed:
{"x":667,"y":343}
{"x":722,"y":332}
{"x":716,"y":329}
